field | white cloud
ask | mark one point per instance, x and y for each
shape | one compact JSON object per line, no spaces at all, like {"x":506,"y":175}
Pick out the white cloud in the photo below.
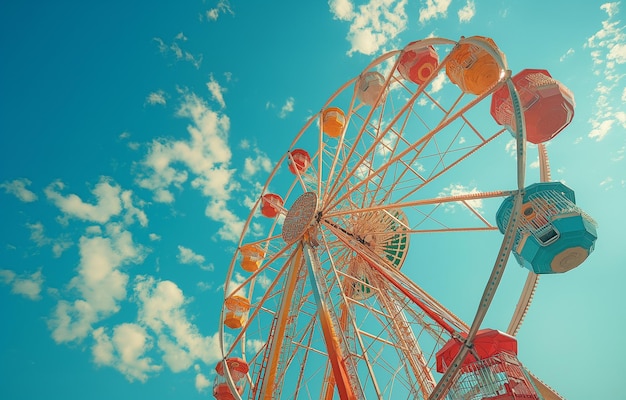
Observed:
{"x":18,"y":189}
{"x":467,"y":12}
{"x":438,"y":83}
{"x":187,"y":256}
{"x":206,"y":157}
{"x":372,"y":25}
{"x":204,"y":286}
{"x":385,"y":145}
{"x":264,"y":281}
{"x":342,"y":9}
{"x":511,"y":147}
{"x":254,"y":345}
{"x":568,"y":53}
{"x":434,"y":9}
{"x":125,"y":351}
{"x":245,"y":143}
{"x":620,"y":116}
{"x":58,"y":247}
{"x":259,"y":163}
{"x":175,"y":49}
{"x":607,"y":183}
{"x":534,"y":164}
{"x":619,"y":154}
{"x":154,"y":237}
{"x":202,"y":382}
{"x":157,"y":97}
{"x":222,"y":7}
{"x":607,"y":50}
{"x":610,"y":8}
{"x":108,"y":202}
{"x":100,"y":283}
{"x":161,"y":308}
{"x":38,"y":236}
{"x":216,"y":91}
{"x":600,"y":128}
{"x":233,"y":284}
{"x":27,"y":285}
{"x":232,"y":225}
{"x":132,"y":212}
{"x":287,"y":107}
{"x":7,"y":276}
{"x":459,"y":190}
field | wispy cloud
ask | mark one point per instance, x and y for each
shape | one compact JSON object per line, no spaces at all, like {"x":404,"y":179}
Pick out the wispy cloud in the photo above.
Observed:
{"x":619,"y":154}
{"x":287,"y":108}
{"x":511,"y":147}
{"x":216,"y":91}
{"x":174,"y":48}
{"x":458,"y":190}
{"x":607,"y":50}
{"x":567,"y":54}
{"x":157,"y":97}
{"x":434,"y":9}
{"x":607,"y":183}
{"x":222,"y":7}
{"x":188,"y":256}
{"x":38,"y":236}
{"x":27,"y":285}
{"x":372,"y":25}
{"x":18,"y":189}
{"x":467,"y":12}
{"x":253,"y":165}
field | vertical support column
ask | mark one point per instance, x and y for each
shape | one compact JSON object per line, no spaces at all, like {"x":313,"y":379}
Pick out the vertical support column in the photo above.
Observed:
{"x":269,"y":382}
{"x":335,"y":357}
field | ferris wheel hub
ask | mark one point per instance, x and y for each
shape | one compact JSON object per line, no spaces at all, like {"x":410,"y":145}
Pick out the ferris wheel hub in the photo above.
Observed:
{"x":299,"y":217}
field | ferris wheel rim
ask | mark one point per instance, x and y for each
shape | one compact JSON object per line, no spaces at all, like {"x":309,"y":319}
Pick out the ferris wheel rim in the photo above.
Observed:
{"x":286,"y":157}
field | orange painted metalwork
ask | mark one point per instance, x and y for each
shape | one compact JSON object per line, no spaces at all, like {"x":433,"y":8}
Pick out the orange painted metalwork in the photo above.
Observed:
{"x":267,"y":391}
{"x":343,"y":323}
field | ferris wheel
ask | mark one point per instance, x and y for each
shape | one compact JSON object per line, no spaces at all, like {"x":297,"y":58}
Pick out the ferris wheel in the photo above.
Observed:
{"x":404,"y":164}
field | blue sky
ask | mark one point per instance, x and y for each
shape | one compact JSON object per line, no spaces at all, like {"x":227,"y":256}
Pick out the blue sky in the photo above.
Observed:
{"x":135,"y":136}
